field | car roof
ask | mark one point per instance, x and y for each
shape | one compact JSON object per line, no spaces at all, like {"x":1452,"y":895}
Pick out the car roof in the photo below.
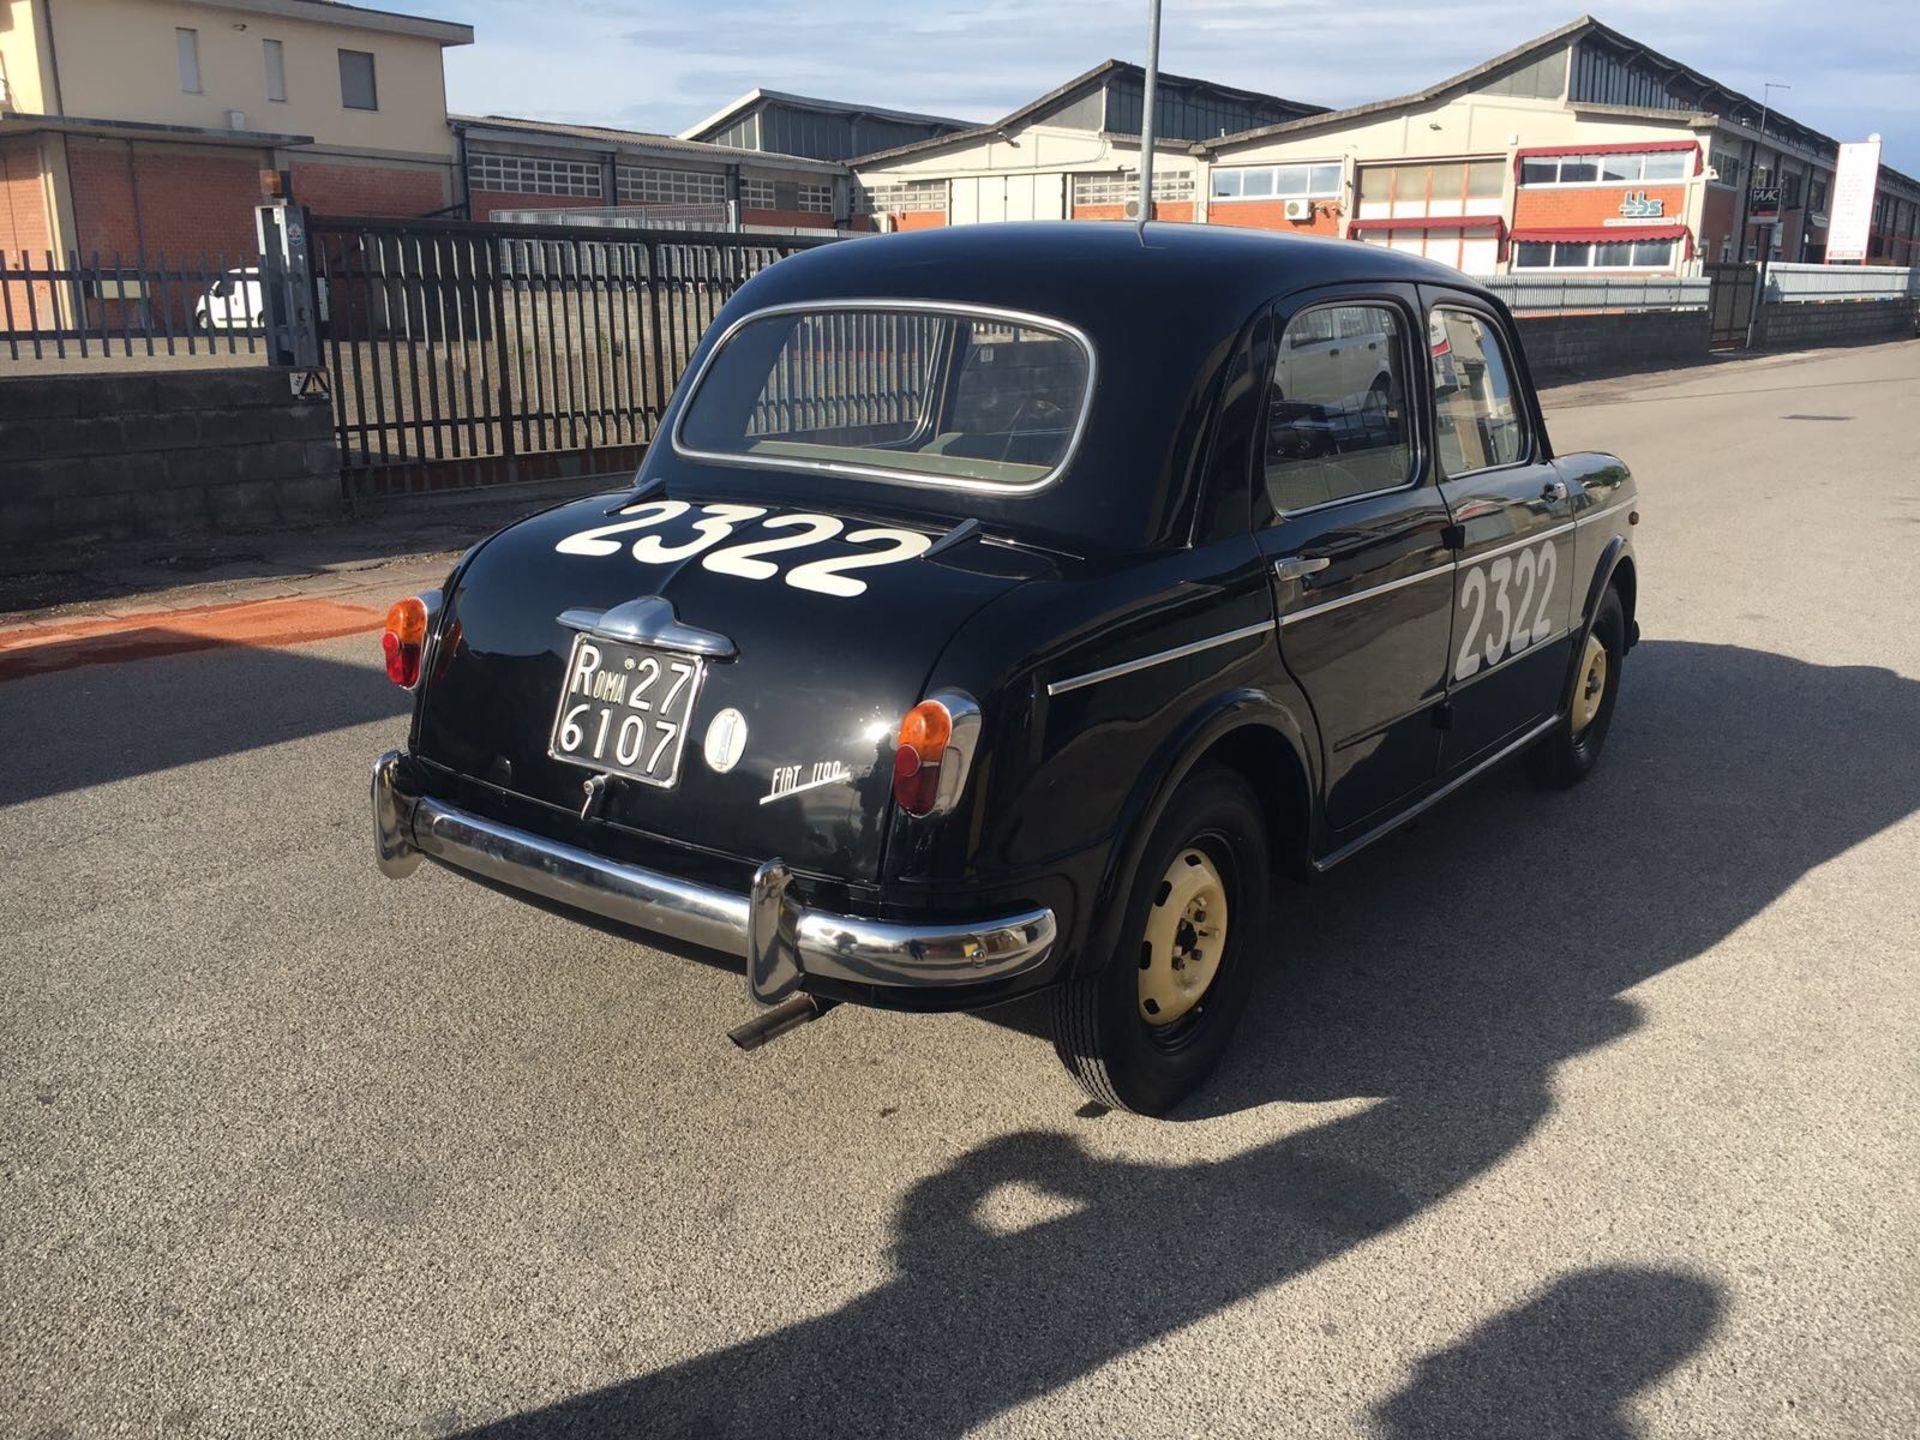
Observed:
{"x":1162,"y":305}
{"x":1071,"y":269}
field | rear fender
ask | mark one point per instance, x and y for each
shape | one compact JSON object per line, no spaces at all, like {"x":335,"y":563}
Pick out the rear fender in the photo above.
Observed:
{"x":1250,"y":711}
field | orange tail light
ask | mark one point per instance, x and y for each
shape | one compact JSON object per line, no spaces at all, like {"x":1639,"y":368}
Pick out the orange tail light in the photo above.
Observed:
{"x":924,"y":736}
{"x":404,"y":640}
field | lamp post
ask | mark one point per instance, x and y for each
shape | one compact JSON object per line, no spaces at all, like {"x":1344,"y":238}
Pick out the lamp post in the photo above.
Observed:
{"x":1148,"y":88}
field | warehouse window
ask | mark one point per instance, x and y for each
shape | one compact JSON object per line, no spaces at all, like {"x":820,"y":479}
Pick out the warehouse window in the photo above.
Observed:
{"x":817,"y":199}
{"x":1277,"y":182}
{"x":756,"y":194}
{"x":915,"y":195}
{"x":357,"y":90}
{"x":1606,"y":255}
{"x":1460,"y":187}
{"x":1727,"y":168}
{"x":1636,"y":168}
{"x":187,"y":42}
{"x":1124,"y":185}
{"x":672,"y":187}
{"x":525,"y":175}
{"x":274,"y":54}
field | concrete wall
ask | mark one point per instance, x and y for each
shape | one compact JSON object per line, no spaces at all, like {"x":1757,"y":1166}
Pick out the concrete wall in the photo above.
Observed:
{"x":1571,"y":347}
{"x":1787,"y":327}
{"x":148,"y":455}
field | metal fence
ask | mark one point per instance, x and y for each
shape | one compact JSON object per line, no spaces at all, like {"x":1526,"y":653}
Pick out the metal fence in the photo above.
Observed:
{"x":149,"y":305}
{"x":465,"y":353}
{"x":1546,"y":294}
{"x":1792,"y":284}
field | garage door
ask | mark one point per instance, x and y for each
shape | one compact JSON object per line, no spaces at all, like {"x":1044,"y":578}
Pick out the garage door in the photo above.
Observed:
{"x":1009,"y":197}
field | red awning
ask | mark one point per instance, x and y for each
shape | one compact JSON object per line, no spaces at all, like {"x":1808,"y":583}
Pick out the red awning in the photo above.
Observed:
{"x":1605,"y":235}
{"x":1624,"y":147}
{"x":1433,"y":222}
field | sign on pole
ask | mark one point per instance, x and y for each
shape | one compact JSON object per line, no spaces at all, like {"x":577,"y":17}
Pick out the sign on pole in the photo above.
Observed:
{"x":1763,"y":203}
{"x":1851,"y":217}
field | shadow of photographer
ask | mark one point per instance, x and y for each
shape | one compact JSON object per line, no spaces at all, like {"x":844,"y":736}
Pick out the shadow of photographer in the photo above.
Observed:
{"x":1445,"y":975}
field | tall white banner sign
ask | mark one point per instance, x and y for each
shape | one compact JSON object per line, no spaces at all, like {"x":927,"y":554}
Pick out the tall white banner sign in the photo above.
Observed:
{"x":1852,"y":214}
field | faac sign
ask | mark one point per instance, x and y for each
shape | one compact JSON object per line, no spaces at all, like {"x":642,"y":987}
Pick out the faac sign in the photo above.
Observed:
{"x":1763,"y":203}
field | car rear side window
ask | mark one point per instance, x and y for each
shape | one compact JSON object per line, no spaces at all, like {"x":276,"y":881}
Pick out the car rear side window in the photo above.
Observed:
{"x":927,"y":395}
{"x":1337,"y":421}
{"x":1478,"y":422}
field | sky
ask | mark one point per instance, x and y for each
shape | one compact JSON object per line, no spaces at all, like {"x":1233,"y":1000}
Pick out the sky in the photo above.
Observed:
{"x":663,"y":65}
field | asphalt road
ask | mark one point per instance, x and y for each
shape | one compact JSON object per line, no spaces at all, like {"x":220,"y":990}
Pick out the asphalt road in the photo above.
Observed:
{"x":1587,"y":1114}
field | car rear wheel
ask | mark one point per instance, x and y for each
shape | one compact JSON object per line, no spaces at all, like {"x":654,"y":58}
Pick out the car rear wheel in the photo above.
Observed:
{"x":1147,"y":1028}
{"x":1569,"y":752}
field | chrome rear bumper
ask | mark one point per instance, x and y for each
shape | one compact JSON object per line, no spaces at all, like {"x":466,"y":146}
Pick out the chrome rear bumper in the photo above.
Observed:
{"x":782,"y":941}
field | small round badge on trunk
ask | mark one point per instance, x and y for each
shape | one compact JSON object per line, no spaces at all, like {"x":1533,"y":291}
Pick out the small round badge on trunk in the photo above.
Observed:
{"x":726,"y":738}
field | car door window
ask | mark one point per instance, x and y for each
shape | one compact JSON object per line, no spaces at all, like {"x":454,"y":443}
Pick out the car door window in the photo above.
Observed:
{"x":1336,"y":409}
{"x":1478,"y":422}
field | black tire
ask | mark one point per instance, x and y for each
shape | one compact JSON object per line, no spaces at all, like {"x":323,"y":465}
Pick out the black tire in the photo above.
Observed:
{"x":1099,"y":1032}
{"x":1567,"y":754}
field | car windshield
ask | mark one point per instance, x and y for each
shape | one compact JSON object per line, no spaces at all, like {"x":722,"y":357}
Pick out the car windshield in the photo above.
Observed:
{"x":935,"y":397}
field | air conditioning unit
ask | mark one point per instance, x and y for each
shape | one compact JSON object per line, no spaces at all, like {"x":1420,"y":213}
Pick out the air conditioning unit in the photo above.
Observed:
{"x":1131,"y":209}
{"x":6,"y":99}
{"x":1299,"y":209}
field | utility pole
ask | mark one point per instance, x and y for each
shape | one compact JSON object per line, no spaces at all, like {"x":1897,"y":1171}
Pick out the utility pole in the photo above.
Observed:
{"x":1772,"y":228}
{"x":1146,"y":110}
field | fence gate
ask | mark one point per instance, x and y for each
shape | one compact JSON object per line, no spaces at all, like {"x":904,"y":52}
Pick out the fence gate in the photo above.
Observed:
{"x":1734,"y":294}
{"x":469,"y":354}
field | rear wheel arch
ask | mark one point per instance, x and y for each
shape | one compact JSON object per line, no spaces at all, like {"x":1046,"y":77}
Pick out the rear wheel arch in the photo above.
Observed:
{"x":1252,"y":733}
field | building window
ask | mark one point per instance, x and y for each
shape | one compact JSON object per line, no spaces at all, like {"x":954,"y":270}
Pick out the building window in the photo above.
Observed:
{"x":914,"y":195}
{"x":672,"y":187}
{"x":1817,"y":195}
{"x":525,"y":175}
{"x":1790,"y":190}
{"x":275,"y":56}
{"x":1118,"y":188}
{"x":1638,"y":168}
{"x":1728,"y":167}
{"x":756,"y":194}
{"x":1605,"y":255}
{"x":187,"y":42}
{"x":1461,"y":187}
{"x":817,"y":199}
{"x":357,"y":91}
{"x":1278,"y":182}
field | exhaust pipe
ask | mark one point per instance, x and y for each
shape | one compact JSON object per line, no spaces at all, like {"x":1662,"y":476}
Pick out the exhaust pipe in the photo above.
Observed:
{"x":772,"y":1024}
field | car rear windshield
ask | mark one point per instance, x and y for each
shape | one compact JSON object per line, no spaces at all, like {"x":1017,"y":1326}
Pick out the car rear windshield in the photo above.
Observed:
{"x":935,"y":397}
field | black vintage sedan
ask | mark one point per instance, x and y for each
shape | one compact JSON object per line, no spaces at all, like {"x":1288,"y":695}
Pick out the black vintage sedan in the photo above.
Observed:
{"x":1000,"y":606}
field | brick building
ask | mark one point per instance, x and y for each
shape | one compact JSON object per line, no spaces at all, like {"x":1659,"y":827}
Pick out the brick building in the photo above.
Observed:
{"x":140,"y":128}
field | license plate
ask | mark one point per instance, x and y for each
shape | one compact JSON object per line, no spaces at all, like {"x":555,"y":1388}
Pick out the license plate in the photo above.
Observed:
{"x":625,"y":709}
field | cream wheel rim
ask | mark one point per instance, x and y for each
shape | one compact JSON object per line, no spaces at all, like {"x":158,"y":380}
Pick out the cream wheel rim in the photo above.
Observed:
{"x":1186,"y":936}
{"x":1592,"y":686}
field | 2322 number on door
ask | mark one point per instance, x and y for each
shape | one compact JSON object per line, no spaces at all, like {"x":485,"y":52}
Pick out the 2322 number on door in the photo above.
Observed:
{"x":1511,"y":597}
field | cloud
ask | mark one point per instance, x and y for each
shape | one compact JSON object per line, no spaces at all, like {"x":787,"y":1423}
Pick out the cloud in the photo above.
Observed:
{"x":660,"y":66}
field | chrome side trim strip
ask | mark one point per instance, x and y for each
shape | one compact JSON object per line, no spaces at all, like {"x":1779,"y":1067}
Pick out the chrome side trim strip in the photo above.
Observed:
{"x":1179,"y":652}
{"x":1513,"y":747}
{"x":1522,"y":543}
{"x":1592,"y":515}
{"x":1295,"y":617}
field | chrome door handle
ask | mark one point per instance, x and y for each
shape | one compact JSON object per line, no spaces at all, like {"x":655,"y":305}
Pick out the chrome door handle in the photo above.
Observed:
{"x":1554,"y":490}
{"x":1298,"y":567}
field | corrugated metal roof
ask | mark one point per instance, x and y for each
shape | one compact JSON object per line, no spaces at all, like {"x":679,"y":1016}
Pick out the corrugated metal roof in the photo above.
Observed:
{"x":746,"y":102}
{"x":510,"y":127}
{"x":1083,"y":81}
